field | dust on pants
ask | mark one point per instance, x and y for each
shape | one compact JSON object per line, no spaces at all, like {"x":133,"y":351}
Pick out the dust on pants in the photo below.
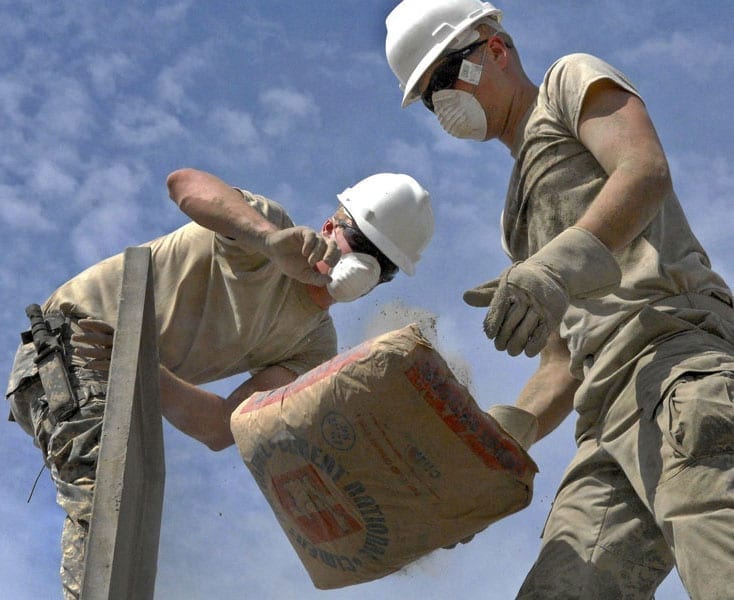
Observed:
{"x":651,"y":488}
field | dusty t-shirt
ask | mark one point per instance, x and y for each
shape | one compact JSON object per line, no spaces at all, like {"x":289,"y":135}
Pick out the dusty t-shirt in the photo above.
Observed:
{"x":555,"y":179}
{"x":220,"y":309}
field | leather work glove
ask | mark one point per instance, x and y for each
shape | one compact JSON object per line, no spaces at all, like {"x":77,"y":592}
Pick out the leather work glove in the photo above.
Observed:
{"x":296,"y":250}
{"x":529,"y":299}
{"x":519,"y":423}
{"x":94,"y":343}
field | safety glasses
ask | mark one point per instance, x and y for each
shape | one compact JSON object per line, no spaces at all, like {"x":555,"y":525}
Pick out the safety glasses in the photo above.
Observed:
{"x":359,"y":242}
{"x":445,"y":74}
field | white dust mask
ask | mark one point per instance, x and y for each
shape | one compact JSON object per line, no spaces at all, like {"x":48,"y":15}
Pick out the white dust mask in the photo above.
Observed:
{"x":353,"y":276}
{"x":460,"y":114}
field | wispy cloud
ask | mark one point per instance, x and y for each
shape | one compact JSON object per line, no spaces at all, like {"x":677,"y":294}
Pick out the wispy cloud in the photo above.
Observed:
{"x":23,"y":213}
{"x":284,"y":109}
{"x":108,"y":71}
{"x":141,"y":123}
{"x":173,"y":12}
{"x":175,"y":81}
{"x":48,"y":177}
{"x":676,"y":49}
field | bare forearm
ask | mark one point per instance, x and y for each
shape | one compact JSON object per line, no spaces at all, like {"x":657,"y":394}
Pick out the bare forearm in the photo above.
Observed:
{"x":195,"y":411}
{"x":549,"y":393}
{"x":213,"y":204}
{"x":549,"y":408}
{"x":205,"y":416}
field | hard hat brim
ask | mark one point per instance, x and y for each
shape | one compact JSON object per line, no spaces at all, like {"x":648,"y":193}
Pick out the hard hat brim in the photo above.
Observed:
{"x":410,"y":94}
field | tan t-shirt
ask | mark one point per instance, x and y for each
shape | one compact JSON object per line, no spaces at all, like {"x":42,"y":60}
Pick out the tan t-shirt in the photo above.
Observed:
{"x":555,"y":179}
{"x":220,"y":309}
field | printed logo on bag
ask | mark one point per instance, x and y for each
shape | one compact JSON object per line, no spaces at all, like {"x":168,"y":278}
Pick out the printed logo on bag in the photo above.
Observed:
{"x":318,"y":513}
{"x":337,"y":431}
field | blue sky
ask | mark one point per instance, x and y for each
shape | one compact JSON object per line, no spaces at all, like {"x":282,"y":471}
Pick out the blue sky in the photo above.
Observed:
{"x":294,"y":100}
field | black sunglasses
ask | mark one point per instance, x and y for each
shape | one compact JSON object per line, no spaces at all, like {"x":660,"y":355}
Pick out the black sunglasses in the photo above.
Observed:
{"x":446,"y":73}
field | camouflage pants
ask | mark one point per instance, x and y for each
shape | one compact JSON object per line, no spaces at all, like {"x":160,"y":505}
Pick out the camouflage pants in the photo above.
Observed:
{"x":651,"y":488}
{"x":70,"y":449}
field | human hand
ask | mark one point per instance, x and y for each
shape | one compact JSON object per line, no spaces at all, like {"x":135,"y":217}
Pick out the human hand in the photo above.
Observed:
{"x":529,"y":299}
{"x":516,"y":319}
{"x":527,"y":305}
{"x":296,"y":250}
{"x":481,"y":295}
{"x":94,"y":343}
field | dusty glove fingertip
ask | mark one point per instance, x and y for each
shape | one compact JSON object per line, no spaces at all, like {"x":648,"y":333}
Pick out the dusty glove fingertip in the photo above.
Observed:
{"x":476,"y":299}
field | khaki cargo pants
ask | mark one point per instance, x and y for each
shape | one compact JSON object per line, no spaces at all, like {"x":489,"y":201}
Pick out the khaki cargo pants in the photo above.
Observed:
{"x":70,"y":450}
{"x":651,"y":487}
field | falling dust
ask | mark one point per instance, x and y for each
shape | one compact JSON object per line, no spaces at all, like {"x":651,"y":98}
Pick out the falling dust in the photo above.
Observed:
{"x":395,"y":315}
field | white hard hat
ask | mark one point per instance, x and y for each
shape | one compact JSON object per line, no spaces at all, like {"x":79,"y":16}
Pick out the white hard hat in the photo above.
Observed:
{"x":394,"y":212}
{"x":420,"y":31}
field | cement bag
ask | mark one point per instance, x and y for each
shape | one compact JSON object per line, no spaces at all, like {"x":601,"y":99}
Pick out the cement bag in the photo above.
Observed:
{"x":377,"y":458}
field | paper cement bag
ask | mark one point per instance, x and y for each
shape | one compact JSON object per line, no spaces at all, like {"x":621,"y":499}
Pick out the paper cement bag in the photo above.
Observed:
{"x":377,"y":458}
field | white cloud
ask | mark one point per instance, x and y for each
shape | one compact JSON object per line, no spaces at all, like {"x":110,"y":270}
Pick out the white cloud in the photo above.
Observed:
{"x":235,"y":127}
{"x":22,"y":213}
{"x":285,"y":195}
{"x":49,"y":178}
{"x":139,"y":123}
{"x":173,"y":13}
{"x":109,"y":213}
{"x":12,"y":93}
{"x":236,"y":137}
{"x":116,"y":185}
{"x":284,"y":108}
{"x":103,"y":231}
{"x":173,"y":81}
{"x":66,"y":108}
{"x":414,"y":159}
{"x":106,"y":71}
{"x":677,"y":49}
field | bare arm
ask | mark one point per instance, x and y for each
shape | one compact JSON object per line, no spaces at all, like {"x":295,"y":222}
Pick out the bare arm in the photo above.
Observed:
{"x":217,"y":206}
{"x":190,"y":409}
{"x":204,"y":415}
{"x":616,"y":128}
{"x":549,"y":392}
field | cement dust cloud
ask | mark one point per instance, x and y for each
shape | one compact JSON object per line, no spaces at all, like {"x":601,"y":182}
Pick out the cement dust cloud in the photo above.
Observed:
{"x":394,"y":315}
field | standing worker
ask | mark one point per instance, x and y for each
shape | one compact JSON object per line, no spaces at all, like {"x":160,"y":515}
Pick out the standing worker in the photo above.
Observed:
{"x":238,"y":289}
{"x":608,"y":283}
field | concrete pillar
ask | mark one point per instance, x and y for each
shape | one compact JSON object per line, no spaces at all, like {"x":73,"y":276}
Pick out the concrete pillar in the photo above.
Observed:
{"x":122,"y":547}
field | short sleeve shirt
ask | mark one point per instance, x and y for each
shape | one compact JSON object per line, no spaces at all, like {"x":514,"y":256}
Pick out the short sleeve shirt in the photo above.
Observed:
{"x":555,"y":179}
{"x":221,"y":309}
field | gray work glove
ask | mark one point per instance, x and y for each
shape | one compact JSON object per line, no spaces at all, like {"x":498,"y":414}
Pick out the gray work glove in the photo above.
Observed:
{"x":519,"y":423}
{"x":296,"y":250}
{"x":529,"y":299}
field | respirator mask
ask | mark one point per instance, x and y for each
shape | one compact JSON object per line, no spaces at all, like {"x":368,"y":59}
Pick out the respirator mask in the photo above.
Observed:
{"x":459,"y":112}
{"x":353,"y":276}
